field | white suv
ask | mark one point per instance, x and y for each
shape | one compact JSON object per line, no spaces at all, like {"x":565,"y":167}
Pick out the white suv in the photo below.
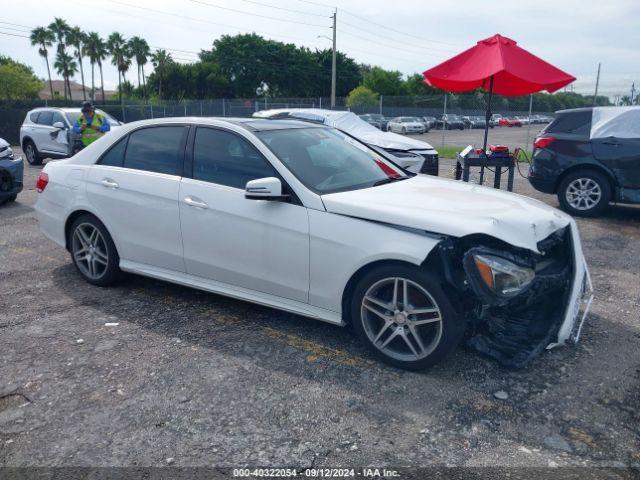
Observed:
{"x":48,"y":132}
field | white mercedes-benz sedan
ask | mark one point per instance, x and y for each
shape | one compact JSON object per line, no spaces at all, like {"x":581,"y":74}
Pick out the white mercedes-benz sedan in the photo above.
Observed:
{"x":305,"y":218}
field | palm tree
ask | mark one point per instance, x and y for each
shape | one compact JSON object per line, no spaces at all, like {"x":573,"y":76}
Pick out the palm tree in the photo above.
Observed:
{"x":66,"y":66}
{"x":60,"y":29}
{"x":95,"y":49}
{"x":77,"y":38}
{"x":160,"y":60}
{"x":117,"y":47}
{"x":44,"y":38}
{"x":140,"y":51}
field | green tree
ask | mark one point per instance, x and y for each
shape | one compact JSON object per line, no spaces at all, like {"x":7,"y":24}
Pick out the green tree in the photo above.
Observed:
{"x":414,"y":85}
{"x":66,"y":66}
{"x":96,"y":50}
{"x":385,"y":82}
{"x":362,"y":97}
{"x":60,"y":29}
{"x":77,"y":38}
{"x":18,"y":80}
{"x":161,"y":61}
{"x":140,"y":50}
{"x":43,"y":38}
{"x":120,"y":57}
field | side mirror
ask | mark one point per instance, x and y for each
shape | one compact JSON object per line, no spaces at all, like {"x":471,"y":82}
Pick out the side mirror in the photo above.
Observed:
{"x":269,"y":188}
{"x":59,"y":125}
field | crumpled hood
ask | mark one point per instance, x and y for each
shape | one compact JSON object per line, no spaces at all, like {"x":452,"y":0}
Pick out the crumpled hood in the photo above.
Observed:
{"x":393,"y":141}
{"x":452,"y":208}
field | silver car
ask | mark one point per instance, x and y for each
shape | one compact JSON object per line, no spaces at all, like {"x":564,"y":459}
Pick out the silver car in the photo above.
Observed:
{"x":405,"y":125}
{"x":48,"y":133}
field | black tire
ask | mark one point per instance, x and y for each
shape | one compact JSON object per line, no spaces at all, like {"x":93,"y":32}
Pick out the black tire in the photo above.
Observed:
{"x":31,"y":153}
{"x":12,"y":198}
{"x":450,"y":329}
{"x":112,"y":272}
{"x":588,"y":175}
{"x":404,"y":131}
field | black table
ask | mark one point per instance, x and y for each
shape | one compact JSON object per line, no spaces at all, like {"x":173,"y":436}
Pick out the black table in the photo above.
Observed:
{"x":497,"y":162}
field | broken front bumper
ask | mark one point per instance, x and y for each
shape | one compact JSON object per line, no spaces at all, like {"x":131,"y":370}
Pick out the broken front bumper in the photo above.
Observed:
{"x":550,"y":312}
{"x":11,"y":177}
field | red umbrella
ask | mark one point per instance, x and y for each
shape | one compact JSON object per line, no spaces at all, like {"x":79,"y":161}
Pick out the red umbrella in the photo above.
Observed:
{"x":498,"y":65}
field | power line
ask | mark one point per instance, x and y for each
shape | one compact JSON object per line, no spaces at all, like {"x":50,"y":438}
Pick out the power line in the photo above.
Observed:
{"x":257,"y":14}
{"x":397,"y":41}
{"x":185,"y":17}
{"x":386,"y":27}
{"x":301,"y":12}
{"x":14,"y":35}
{"x":386,"y":45}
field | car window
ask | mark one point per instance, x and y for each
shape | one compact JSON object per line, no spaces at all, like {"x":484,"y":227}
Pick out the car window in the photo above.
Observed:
{"x":45,"y":118}
{"x":57,"y":117}
{"x":155,"y":149}
{"x":115,"y":155}
{"x":227,"y":159}
{"x":578,"y":123}
{"x":327,"y":160}
{"x":34,"y":117}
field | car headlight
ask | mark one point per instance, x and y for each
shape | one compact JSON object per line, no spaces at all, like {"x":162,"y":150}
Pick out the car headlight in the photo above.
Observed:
{"x":501,"y":276}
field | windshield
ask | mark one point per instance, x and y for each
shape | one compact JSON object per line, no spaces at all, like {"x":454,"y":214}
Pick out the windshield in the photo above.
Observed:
{"x":327,"y":160}
{"x":73,"y":116}
{"x":453,"y":117}
{"x":376,"y":116}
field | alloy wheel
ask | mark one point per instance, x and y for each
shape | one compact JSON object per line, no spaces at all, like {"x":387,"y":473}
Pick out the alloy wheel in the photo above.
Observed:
{"x":583,"y":193}
{"x":30,"y":152}
{"x":401,"y":319}
{"x":90,"y":251}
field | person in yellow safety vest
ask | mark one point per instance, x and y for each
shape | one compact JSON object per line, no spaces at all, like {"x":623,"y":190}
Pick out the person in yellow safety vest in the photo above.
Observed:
{"x":90,"y":125}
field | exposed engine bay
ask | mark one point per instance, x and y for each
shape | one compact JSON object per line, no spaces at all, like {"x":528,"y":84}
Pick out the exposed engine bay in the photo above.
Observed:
{"x":514,"y":300}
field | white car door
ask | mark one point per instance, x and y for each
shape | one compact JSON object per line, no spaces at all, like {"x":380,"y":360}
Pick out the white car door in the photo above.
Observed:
{"x":43,"y":133}
{"x":134,"y":191}
{"x":255,"y":244}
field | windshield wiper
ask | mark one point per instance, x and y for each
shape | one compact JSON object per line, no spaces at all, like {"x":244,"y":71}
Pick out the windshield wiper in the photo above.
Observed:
{"x":388,"y":180}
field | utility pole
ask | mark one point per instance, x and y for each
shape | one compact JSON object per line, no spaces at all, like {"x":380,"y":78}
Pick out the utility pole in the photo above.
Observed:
{"x":595,"y":95}
{"x":333,"y":63}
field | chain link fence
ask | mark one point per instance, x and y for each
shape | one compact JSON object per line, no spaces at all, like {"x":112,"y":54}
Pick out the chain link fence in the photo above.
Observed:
{"x":12,"y":113}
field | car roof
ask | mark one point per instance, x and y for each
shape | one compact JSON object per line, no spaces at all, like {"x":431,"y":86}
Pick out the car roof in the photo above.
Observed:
{"x":571,"y":110}
{"x":250,"y":124}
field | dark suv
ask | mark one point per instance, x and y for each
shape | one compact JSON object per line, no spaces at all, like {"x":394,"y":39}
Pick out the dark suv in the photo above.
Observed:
{"x":589,"y":157}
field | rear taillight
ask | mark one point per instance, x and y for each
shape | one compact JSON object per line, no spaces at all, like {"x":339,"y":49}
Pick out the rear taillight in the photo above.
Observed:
{"x":543,"y":142}
{"x":41,"y":183}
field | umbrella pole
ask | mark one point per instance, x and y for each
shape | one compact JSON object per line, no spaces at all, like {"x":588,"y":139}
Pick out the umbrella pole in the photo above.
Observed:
{"x":488,"y":117}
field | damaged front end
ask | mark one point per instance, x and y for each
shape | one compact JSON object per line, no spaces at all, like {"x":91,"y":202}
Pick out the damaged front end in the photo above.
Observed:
{"x":517,"y":302}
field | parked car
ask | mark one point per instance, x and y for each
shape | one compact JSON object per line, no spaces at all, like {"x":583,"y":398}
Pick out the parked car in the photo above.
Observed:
{"x":589,"y":157}
{"x":424,"y":123}
{"x":414,"y":155}
{"x":430,"y":121}
{"x":47,"y":132}
{"x":522,"y":120}
{"x":406,"y":125}
{"x":305,"y":218}
{"x":377,"y":120}
{"x":11,"y":173}
{"x":479,"y":121}
{"x":450,"y":122}
{"x":509,"y":122}
{"x":495,"y":118}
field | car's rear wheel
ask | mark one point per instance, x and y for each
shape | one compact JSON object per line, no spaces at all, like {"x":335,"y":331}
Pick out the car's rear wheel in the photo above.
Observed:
{"x":93,"y":252}
{"x":584,"y":193}
{"x":32,"y":154}
{"x":402,"y":314}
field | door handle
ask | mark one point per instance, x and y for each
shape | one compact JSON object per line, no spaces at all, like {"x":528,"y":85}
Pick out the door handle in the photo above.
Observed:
{"x":107,"y":182}
{"x":192,"y":202}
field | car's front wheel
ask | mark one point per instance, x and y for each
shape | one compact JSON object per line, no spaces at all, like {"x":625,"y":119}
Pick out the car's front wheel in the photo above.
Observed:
{"x":93,"y":252}
{"x":404,"y":317}
{"x":32,"y":154}
{"x":404,"y":131}
{"x":584,"y":193}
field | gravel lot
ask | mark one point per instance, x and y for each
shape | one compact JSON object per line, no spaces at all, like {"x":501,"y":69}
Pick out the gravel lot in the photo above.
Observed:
{"x":194,"y":379}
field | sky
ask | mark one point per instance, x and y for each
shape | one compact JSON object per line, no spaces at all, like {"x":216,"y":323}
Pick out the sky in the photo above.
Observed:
{"x":407,"y":35}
